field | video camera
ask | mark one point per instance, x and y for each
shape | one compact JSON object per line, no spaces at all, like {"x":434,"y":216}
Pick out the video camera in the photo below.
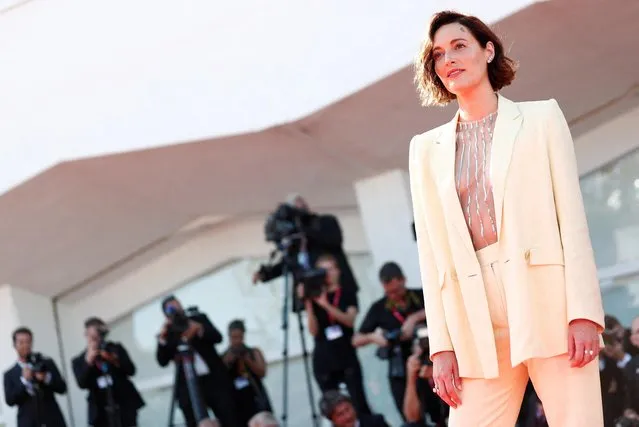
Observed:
{"x":285,"y":222}
{"x":35,"y":361}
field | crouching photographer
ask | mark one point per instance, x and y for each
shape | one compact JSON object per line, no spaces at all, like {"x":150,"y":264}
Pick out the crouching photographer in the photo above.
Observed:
{"x":390,"y":324}
{"x":202,"y":380}
{"x":31,"y":383}
{"x":331,"y":314}
{"x":420,"y":402}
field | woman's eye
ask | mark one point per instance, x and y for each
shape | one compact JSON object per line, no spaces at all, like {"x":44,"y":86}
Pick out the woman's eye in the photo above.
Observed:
{"x":460,"y":46}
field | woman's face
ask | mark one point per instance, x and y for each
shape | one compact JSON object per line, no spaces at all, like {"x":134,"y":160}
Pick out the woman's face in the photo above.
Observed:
{"x":460,"y":61}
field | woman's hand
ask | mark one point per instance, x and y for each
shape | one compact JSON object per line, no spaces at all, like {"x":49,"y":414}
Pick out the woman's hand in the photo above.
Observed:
{"x":583,"y":342}
{"x":446,"y":377}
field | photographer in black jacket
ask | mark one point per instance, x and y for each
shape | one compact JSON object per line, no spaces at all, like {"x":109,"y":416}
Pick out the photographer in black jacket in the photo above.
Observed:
{"x":323,"y":236}
{"x":31,"y":383}
{"x":104,"y":369}
{"x":213,"y":379}
{"x":390,"y":324}
{"x":331,"y":317}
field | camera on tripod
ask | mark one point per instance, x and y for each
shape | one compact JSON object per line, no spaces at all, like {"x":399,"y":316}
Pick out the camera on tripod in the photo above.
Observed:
{"x":35,"y":361}
{"x":179,"y":321}
{"x":285,"y":222}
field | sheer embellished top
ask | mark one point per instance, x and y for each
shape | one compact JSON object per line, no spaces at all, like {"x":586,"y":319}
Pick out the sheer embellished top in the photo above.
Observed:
{"x":472,"y":179}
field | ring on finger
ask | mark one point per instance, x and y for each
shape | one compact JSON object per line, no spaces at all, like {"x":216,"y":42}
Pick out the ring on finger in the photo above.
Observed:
{"x":589,"y":352}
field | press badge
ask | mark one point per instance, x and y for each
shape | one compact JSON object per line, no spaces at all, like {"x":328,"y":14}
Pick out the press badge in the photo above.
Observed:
{"x":241,"y":382}
{"x":333,"y":332}
{"x":104,"y":381}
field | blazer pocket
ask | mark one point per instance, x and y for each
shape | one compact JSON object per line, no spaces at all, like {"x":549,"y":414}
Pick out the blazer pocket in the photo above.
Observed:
{"x":543,"y":256}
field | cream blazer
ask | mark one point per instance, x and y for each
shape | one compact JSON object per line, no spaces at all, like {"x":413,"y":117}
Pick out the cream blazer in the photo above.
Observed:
{"x":547,"y":262}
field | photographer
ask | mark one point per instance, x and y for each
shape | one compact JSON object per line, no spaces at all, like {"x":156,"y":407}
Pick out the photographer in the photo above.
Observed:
{"x":390,"y":324}
{"x":31,"y":383}
{"x":104,"y":369}
{"x":247,"y":367}
{"x":213,"y":380}
{"x":331,"y":314}
{"x":323,"y":235}
{"x":419,"y":398}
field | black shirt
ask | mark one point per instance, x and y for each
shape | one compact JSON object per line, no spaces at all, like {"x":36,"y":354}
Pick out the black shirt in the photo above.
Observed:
{"x":383,"y":315}
{"x":333,"y":339}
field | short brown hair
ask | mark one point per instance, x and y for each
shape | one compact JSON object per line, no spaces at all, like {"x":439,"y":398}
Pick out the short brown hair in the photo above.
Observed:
{"x":501,"y":70}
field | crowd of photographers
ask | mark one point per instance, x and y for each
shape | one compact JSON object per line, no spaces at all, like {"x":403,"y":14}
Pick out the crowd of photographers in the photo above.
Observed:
{"x":230,"y":384}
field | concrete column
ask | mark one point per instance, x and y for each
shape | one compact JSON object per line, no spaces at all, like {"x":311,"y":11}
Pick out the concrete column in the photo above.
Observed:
{"x":22,"y":308}
{"x":387,"y":215}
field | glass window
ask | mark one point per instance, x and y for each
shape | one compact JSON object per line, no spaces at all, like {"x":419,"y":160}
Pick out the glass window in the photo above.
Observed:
{"x":622,"y":300}
{"x":611,"y":199}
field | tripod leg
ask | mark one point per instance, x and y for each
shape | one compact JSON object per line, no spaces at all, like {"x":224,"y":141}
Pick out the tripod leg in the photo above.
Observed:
{"x":307,"y":370}
{"x":286,"y":291}
{"x":173,"y":398}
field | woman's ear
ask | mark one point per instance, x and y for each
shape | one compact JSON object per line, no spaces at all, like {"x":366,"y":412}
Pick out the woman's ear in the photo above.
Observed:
{"x":489,"y":51}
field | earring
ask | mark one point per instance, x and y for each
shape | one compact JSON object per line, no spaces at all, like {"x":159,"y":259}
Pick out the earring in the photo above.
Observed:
{"x":490,"y":59}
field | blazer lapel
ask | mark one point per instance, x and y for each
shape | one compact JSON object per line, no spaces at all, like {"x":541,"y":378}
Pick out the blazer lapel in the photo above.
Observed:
{"x":507,"y":125}
{"x":445,"y":171}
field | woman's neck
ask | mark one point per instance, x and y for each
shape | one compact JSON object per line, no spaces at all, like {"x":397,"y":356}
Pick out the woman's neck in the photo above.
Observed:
{"x":477,"y":104}
{"x":332,"y":287}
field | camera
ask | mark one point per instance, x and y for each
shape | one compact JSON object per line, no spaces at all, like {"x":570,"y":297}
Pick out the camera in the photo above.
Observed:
{"x":239,"y":351}
{"x":393,"y":337}
{"x":393,"y":353}
{"x":284,"y":222}
{"x":36,"y":363}
{"x":314,"y":281}
{"x":179,"y":321}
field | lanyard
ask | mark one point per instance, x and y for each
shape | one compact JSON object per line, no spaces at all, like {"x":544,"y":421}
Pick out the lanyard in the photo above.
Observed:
{"x":335,"y":303}
{"x":399,"y":316}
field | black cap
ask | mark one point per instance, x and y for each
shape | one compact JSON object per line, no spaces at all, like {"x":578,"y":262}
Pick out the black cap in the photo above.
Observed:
{"x":389,"y":271}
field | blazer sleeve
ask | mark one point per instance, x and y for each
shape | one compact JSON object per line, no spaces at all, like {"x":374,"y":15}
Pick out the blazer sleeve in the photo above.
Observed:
{"x":421,"y":187}
{"x":57,"y":384}
{"x":583,"y":294}
{"x":15,"y":393}
{"x":85,"y":375}
{"x":127,"y":367}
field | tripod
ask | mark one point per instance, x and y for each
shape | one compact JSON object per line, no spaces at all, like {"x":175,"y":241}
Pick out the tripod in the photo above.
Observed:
{"x":186,"y":358}
{"x":288,"y":291}
{"x":112,"y":408}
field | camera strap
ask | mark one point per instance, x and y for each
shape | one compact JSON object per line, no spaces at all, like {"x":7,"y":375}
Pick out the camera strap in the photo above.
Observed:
{"x":335,"y":303}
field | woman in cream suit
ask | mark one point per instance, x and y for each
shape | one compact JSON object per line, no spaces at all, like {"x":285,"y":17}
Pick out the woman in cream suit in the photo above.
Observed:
{"x":507,"y":266}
